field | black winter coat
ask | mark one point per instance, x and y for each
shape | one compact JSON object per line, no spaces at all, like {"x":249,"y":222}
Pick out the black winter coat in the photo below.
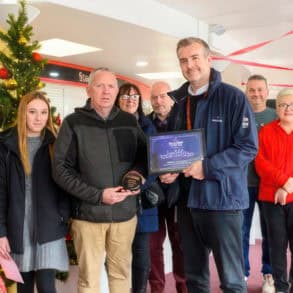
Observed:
{"x":50,"y":204}
{"x":92,"y":154}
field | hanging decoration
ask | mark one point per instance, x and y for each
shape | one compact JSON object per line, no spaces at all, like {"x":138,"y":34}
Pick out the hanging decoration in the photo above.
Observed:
{"x":4,"y":73}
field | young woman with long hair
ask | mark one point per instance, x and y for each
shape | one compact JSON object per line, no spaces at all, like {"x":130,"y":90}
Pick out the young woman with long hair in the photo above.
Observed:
{"x":33,"y":209}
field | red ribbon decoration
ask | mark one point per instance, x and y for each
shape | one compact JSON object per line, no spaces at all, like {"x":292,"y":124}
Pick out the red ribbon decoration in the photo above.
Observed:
{"x":250,"y":63}
{"x":256,"y":64}
{"x":281,"y":84}
{"x":252,"y":48}
{"x":275,"y":84}
{"x":257,"y":46}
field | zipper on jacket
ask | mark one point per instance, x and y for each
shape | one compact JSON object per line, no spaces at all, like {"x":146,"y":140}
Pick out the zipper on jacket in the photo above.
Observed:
{"x":112,"y":167}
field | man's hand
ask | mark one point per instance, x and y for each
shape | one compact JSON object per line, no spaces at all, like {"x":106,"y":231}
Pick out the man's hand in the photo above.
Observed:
{"x":114,"y":195}
{"x":4,"y":247}
{"x":280,"y":196}
{"x":168,"y":178}
{"x":195,"y":170}
{"x":288,"y":186}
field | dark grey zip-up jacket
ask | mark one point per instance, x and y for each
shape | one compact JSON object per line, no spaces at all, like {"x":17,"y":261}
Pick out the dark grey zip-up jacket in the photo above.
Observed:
{"x":92,"y":154}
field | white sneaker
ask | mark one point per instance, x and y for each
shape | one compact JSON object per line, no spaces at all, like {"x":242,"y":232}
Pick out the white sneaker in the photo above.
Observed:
{"x":268,"y":284}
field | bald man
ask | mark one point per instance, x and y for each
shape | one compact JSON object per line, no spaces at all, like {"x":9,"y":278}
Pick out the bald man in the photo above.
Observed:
{"x":162,"y":105}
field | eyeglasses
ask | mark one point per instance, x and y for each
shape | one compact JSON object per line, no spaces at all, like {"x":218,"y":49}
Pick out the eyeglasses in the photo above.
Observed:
{"x":134,"y":97}
{"x":285,"y":106}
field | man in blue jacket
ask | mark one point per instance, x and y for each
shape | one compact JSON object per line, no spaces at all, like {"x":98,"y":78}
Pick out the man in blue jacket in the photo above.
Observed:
{"x":213,"y":190}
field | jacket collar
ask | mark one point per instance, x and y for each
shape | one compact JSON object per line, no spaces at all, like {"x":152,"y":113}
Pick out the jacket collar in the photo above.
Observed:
{"x":181,"y":93}
{"x":89,"y":111}
{"x":10,"y":139}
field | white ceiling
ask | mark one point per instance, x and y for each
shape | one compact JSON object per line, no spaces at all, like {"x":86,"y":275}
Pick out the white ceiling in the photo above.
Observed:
{"x":245,"y":23}
{"x":248,"y":23}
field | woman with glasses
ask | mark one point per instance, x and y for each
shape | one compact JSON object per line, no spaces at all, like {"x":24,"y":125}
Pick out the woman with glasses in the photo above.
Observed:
{"x":129,"y":100}
{"x":274,"y":165}
{"x":33,"y":209}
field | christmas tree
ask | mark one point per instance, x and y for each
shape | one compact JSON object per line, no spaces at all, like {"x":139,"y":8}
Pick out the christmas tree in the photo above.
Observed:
{"x":20,"y":65}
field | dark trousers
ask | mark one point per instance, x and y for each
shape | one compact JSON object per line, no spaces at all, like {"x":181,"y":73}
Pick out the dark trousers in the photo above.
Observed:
{"x":45,"y":281}
{"x":246,"y":227}
{"x":279,"y":221}
{"x":140,"y":262}
{"x":168,"y":222}
{"x":217,"y":231}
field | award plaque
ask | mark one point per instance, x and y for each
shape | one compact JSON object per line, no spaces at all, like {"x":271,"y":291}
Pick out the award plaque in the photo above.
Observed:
{"x":131,"y":181}
{"x":171,"y":152}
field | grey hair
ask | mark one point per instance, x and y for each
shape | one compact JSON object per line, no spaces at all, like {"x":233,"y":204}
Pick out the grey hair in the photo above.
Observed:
{"x":285,"y":92}
{"x":94,"y":71}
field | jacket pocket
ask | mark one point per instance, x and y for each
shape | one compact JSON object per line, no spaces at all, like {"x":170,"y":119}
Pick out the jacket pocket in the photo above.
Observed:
{"x":126,"y":142}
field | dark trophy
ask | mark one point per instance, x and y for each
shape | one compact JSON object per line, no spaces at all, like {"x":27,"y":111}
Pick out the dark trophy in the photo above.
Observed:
{"x":131,"y":181}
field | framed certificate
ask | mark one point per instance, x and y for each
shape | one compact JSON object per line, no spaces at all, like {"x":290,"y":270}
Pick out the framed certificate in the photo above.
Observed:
{"x":174,"y":151}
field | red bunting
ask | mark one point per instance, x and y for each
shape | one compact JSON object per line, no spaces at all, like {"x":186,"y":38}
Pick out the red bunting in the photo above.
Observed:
{"x":256,"y":64}
{"x":256,"y":46}
{"x":250,"y":49}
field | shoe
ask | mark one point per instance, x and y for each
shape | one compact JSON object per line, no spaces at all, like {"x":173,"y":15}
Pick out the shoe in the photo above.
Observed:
{"x":268,"y":284}
{"x":245,"y":279}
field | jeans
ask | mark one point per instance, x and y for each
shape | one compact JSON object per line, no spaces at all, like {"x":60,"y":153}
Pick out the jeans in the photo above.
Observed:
{"x":204,"y":231}
{"x":45,"y":281}
{"x":246,"y":227}
{"x":279,"y":221}
{"x":168,"y":222}
{"x":140,"y":262}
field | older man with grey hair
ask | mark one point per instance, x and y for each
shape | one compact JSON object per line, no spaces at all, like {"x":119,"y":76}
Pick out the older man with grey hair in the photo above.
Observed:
{"x":97,"y":145}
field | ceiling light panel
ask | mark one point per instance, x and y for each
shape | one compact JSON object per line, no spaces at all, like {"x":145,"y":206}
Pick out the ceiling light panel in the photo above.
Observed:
{"x":62,"y":48}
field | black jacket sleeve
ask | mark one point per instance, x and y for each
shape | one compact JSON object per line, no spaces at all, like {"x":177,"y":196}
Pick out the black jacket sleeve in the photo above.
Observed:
{"x":3,"y":191}
{"x":65,"y":167}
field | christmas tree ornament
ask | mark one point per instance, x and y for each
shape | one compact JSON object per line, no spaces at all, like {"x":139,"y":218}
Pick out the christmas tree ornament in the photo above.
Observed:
{"x":22,"y":40}
{"x":37,"y":57}
{"x":10,"y":84}
{"x":40,"y":85}
{"x":13,"y":94}
{"x":4,"y":73}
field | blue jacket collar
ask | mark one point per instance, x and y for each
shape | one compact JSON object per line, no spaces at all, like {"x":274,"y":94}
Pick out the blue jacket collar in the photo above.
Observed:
{"x":181,"y":93}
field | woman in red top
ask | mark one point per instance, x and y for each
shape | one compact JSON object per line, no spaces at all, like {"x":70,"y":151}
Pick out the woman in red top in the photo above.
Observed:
{"x":274,"y":165}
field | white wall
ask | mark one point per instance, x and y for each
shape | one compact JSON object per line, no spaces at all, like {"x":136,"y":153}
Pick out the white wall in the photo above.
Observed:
{"x":65,"y":98}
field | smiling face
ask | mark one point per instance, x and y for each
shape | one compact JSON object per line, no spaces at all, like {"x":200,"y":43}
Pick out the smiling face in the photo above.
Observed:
{"x":285,"y":109}
{"x":257,"y":93}
{"x":37,"y":115}
{"x":129,"y":102}
{"x":102,"y":91}
{"x":195,"y":63}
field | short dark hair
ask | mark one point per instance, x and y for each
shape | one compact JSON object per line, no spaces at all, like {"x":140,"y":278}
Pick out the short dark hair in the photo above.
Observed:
{"x":191,"y":40}
{"x":258,"y":77}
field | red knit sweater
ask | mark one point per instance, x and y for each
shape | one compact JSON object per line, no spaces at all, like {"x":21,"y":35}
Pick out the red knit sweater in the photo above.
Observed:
{"x":274,"y":161}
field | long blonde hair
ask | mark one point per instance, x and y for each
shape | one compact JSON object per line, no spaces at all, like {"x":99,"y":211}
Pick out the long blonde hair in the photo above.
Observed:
{"x":22,"y":126}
